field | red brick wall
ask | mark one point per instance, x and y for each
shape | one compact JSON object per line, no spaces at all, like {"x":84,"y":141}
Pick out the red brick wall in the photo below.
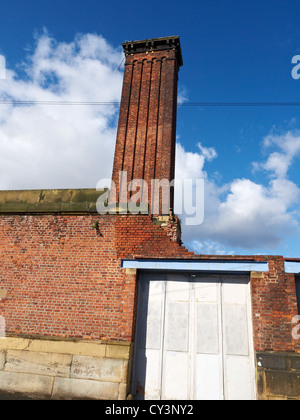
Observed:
{"x":63,"y":278}
{"x":274,"y":305}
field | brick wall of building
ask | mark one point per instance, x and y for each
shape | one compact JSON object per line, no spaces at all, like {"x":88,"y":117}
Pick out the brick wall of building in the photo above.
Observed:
{"x":62,"y":277}
{"x":62,"y":274}
{"x":274,"y":305}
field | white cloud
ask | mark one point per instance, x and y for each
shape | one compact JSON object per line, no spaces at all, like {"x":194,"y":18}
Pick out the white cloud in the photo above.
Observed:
{"x":242,"y":213}
{"x":208,"y":153}
{"x":72,"y":146}
{"x":209,"y":248}
{"x":190,"y":165}
{"x":253,"y":216}
{"x":279,"y":161}
{"x":57,"y":146}
{"x":182,"y":95}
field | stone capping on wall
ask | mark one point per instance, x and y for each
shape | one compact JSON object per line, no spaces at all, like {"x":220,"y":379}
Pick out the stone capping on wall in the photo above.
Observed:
{"x":60,"y":201}
{"x":56,"y":369}
{"x":50,"y":201}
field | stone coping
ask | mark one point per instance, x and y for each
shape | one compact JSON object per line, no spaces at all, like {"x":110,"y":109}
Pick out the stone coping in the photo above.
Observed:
{"x":69,"y":201}
{"x":101,"y":348}
{"x":49,"y":201}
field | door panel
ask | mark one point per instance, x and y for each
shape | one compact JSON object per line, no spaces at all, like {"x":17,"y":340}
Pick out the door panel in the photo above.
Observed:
{"x":194,"y":338}
{"x":208,"y":331}
{"x":238,"y":378}
{"x":209,"y":381}
{"x":175,"y":384}
{"x":177,"y":334}
{"x":148,"y":352}
{"x":236,"y":330}
{"x":176,"y":372}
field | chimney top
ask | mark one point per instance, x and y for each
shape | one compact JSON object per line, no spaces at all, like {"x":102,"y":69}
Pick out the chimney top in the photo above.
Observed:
{"x":155,"y":44}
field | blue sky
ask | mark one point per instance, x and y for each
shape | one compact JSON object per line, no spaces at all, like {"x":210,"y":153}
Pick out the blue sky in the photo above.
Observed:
{"x":233,"y":51}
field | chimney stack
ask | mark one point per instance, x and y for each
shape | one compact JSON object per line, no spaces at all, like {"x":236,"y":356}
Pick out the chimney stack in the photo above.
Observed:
{"x":146,"y":138}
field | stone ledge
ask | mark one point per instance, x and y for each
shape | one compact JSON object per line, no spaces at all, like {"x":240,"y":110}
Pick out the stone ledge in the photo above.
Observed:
{"x":63,"y":201}
{"x":65,"y":347}
{"x":278,"y":361}
{"x":9,"y":343}
{"x":50,"y":201}
{"x":100,"y":349}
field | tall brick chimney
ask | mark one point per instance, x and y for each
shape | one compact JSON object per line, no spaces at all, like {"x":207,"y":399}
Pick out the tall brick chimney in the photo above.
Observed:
{"x":146,"y":139}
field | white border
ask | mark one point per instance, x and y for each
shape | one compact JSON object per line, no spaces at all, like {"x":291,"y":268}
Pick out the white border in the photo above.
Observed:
{"x":224,"y":266}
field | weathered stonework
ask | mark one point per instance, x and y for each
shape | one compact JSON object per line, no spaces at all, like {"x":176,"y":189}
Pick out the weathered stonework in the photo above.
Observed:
{"x":2,"y":359}
{"x":64,"y":369}
{"x":49,"y":201}
{"x":278,"y":376}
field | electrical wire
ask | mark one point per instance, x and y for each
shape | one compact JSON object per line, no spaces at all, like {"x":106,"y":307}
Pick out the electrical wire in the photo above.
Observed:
{"x":184,"y":104}
{"x":238,"y":104}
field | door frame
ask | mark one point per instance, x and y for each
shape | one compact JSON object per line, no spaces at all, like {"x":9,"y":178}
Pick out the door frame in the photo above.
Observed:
{"x":162,"y":276}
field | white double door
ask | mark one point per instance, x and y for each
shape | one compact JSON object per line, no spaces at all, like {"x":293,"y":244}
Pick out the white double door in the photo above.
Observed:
{"x":194,"y":338}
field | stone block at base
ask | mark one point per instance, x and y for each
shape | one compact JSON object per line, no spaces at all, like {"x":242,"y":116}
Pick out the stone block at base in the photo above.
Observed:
{"x":105,"y":370}
{"x":70,"y":389}
{"x":28,"y":385}
{"x":48,"y":364}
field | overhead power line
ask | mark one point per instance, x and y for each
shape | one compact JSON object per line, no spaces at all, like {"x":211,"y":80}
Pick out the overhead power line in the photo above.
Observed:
{"x":12,"y":102}
{"x":238,"y":104}
{"x":184,"y":104}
